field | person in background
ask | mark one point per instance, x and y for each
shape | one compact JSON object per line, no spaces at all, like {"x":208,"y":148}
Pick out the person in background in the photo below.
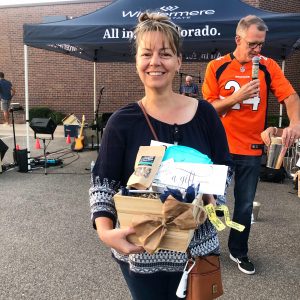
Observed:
{"x":242,"y":105}
{"x":189,"y":88}
{"x":197,"y":125}
{"x":7,"y":91}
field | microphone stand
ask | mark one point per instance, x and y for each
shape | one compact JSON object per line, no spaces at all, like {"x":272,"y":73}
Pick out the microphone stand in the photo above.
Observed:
{"x":97,"y":118}
{"x":14,"y":135}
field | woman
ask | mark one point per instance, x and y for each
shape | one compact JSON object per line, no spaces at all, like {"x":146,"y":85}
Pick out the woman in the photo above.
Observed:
{"x":175,"y":118}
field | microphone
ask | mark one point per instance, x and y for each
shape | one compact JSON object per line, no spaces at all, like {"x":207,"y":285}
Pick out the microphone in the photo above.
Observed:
{"x":101,"y":90}
{"x":255,"y":67}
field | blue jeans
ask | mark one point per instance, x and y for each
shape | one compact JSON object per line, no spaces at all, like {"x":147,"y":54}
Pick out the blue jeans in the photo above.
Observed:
{"x":155,"y":286}
{"x":246,"y":169}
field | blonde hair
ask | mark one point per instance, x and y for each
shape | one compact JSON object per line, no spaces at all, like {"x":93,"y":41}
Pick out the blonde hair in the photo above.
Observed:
{"x":149,"y":22}
{"x":249,"y":20}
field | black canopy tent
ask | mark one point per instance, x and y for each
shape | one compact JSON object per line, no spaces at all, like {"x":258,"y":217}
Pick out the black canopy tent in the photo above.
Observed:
{"x":207,"y":28}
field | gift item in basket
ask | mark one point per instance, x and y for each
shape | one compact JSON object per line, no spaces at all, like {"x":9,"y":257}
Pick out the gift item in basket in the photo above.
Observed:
{"x":152,"y":230}
{"x":133,"y":208}
{"x":147,"y":163}
{"x":204,"y":279}
{"x":186,"y":154}
{"x":184,"y":166}
{"x":172,"y":223}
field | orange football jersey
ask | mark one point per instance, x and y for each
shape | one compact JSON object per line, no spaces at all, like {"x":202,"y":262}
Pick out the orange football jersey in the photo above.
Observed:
{"x":245,"y":121}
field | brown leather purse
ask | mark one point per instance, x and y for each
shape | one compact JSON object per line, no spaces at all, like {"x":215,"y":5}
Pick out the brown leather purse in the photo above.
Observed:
{"x":204,"y":279}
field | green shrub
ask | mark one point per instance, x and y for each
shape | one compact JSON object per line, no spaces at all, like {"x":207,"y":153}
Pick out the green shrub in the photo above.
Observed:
{"x":273,"y":120}
{"x":46,"y":112}
{"x":57,"y":117}
{"x":39,"y":112}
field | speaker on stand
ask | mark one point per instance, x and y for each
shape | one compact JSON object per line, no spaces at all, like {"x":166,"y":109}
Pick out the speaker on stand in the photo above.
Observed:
{"x":43,"y":126}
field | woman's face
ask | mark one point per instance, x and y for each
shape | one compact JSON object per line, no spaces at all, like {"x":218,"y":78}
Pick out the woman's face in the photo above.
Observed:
{"x":155,"y":61}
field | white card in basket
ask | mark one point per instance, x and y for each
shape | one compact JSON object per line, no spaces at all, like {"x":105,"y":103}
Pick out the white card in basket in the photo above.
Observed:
{"x":180,"y":175}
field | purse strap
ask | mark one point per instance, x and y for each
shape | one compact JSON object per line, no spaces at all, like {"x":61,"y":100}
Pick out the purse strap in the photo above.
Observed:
{"x":191,"y":258}
{"x":147,"y":119}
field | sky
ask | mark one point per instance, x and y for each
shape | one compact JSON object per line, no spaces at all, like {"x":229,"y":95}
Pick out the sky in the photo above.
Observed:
{"x":16,"y":2}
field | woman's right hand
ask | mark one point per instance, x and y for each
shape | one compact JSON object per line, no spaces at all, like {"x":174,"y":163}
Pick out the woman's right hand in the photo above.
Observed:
{"x":116,"y":238}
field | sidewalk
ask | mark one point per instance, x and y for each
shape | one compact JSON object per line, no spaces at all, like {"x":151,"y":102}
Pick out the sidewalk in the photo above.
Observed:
{"x":21,"y":130}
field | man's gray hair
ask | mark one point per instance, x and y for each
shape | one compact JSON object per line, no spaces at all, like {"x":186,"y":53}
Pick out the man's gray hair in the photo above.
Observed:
{"x":249,"y":20}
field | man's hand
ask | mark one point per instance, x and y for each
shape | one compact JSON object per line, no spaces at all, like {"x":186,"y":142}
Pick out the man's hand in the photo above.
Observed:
{"x":247,"y":91}
{"x":267,"y":134}
{"x":290,"y":135}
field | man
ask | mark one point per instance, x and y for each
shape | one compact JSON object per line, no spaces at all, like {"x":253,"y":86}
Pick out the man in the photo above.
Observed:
{"x":242,"y":104}
{"x":6,"y":93}
{"x":189,"y":88}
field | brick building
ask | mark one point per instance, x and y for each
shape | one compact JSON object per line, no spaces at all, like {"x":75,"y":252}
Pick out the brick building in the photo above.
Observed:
{"x":65,"y":83}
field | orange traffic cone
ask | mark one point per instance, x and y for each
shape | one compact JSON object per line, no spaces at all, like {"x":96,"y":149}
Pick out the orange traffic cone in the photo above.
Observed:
{"x":17,"y":147}
{"x":37,"y":144}
{"x":68,"y":141}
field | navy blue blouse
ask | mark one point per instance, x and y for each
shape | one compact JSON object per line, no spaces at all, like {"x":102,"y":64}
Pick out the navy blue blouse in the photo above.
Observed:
{"x":127,"y":130}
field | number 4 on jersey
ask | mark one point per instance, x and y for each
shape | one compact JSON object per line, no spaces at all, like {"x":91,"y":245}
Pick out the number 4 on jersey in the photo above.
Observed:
{"x":252,"y":101}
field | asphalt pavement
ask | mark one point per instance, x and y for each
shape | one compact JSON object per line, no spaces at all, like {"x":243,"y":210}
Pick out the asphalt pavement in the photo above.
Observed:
{"x":48,"y":249}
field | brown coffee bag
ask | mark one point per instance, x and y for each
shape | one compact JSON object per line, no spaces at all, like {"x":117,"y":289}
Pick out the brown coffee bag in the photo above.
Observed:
{"x":146,"y":166}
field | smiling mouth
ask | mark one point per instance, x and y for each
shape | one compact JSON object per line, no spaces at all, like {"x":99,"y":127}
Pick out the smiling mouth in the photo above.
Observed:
{"x":155,"y":73}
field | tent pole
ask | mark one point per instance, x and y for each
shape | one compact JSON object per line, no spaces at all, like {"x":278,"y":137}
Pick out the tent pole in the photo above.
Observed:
{"x":281,"y":106}
{"x":27,"y":104}
{"x":95,"y":92}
